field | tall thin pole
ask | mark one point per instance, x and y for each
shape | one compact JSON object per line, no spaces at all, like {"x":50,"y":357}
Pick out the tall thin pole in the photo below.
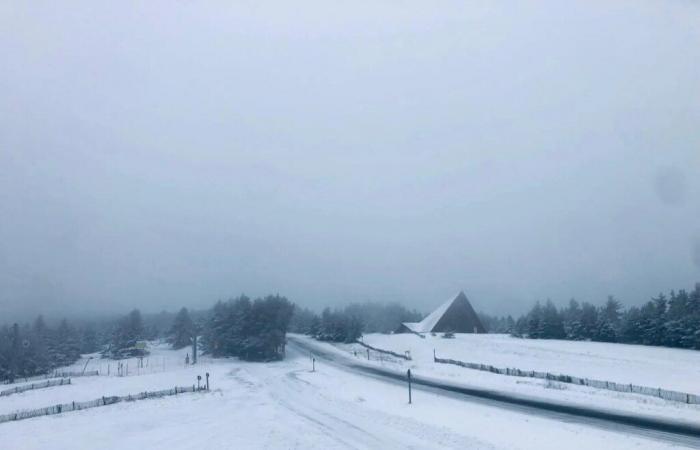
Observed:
{"x":409,"y":385}
{"x":194,"y":349}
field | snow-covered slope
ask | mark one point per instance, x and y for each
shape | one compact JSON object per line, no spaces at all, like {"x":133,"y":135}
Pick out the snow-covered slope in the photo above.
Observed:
{"x":285,"y":405}
{"x":649,"y":366}
{"x":643,"y":365}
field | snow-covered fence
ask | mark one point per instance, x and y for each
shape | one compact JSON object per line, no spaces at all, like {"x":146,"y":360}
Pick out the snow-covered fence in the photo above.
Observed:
{"x":407,"y":357}
{"x":104,"y":401}
{"x":29,"y":387}
{"x":89,"y":373}
{"x":665,"y":394}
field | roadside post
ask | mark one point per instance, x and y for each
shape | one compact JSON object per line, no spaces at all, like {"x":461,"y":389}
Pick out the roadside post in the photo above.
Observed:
{"x":207,"y":381}
{"x":408,"y":373}
{"x":313,"y":364}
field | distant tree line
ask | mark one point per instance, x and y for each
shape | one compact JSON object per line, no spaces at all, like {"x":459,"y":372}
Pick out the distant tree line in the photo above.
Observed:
{"x":349,"y":323}
{"x":672,"y":321}
{"x":251,"y":330}
{"x":496,"y":324}
{"x":36,"y":349}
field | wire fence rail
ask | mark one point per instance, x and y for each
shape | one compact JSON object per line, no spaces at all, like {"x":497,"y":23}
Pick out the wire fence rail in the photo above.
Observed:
{"x":406,"y":356}
{"x":29,"y":387}
{"x":665,"y":394}
{"x":104,"y":401}
{"x":89,"y":373}
{"x":54,"y":374}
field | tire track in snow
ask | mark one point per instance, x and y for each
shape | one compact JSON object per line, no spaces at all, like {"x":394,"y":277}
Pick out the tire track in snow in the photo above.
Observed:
{"x":350,"y":424}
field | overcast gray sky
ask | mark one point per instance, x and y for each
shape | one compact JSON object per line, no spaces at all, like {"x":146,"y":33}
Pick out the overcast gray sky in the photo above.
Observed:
{"x":160,"y":154}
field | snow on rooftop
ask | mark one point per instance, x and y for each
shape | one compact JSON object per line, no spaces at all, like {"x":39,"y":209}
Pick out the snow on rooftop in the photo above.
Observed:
{"x":427,"y":324}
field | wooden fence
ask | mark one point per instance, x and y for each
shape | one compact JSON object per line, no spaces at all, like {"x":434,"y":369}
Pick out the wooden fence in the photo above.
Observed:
{"x":89,"y":373}
{"x":104,"y":401}
{"x":29,"y":387}
{"x":54,"y":374}
{"x":665,"y":394}
{"x":407,"y":357}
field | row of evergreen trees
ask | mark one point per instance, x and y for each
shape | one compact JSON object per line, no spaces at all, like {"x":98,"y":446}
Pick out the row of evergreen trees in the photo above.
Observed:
{"x":349,"y":323}
{"x":126,"y":334}
{"x":36,"y":349}
{"x":251,"y":330}
{"x":672,"y":321}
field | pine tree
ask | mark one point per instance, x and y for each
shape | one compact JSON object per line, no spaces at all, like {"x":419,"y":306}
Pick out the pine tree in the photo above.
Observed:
{"x":88,"y":340}
{"x":607,"y":329}
{"x":125,"y":336}
{"x":551,"y":324}
{"x":572,"y":321}
{"x":182,"y":330}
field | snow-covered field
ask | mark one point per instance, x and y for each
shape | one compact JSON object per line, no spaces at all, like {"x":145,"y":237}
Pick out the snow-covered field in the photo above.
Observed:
{"x":673,"y":369}
{"x":284,"y":405}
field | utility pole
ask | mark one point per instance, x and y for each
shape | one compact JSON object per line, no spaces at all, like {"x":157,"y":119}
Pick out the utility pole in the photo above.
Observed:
{"x":194,"y":349}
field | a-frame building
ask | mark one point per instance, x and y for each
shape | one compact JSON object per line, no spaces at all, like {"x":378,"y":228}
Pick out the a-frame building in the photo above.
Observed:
{"x":455,"y":315}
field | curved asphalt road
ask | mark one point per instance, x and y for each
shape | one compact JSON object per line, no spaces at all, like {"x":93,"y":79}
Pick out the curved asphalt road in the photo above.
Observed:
{"x":655,"y":428}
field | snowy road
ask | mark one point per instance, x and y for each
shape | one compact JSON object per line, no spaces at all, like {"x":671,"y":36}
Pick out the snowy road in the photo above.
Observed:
{"x":674,"y":432}
{"x":284,"y":405}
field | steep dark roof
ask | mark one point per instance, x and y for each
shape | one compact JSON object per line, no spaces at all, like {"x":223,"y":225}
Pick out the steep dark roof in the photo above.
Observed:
{"x":455,"y":315}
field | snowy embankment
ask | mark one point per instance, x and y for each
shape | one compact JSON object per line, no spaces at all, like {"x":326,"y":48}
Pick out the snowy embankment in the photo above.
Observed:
{"x":650,"y":366}
{"x":286,"y":405}
{"x":170,"y":371}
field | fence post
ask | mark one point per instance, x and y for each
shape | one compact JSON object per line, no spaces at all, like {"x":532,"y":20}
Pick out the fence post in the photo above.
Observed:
{"x":408,"y":374}
{"x":207,"y":381}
